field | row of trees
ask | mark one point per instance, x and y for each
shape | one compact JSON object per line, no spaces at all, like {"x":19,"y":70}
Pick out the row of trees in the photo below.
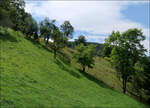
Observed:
{"x":126,"y":54}
{"x":59,"y":35}
{"x":13,"y":15}
{"x":123,"y":50}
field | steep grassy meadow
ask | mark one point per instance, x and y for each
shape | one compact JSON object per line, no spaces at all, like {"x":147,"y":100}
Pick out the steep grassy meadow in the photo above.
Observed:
{"x":31,"y":78}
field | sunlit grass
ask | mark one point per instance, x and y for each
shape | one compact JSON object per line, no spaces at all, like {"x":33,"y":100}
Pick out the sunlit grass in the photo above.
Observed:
{"x":31,"y":78}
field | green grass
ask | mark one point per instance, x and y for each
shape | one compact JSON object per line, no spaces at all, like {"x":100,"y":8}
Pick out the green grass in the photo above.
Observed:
{"x":31,"y":78}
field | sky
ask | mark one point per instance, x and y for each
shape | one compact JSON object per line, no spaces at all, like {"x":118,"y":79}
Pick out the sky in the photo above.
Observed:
{"x":95,"y":19}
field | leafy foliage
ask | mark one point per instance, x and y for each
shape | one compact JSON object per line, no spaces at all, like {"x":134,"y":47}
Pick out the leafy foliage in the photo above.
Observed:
{"x":81,"y":39}
{"x":67,"y":30}
{"x":146,"y":84}
{"x":12,"y":14}
{"x":31,"y":25}
{"x":5,"y":21}
{"x":85,"y":56}
{"x":127,"y":51}
{"x":57,"y":43}
{"x":15,"y":10}
{"x":46,"y":29}
{"x":107,"y":51}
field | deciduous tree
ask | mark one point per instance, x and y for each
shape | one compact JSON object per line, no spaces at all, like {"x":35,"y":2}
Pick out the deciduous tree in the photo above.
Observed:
{"x":57,"y":43}
{"x":126,"y":52}
{"x":85,"y":56}
{"x":46,"y":29}
{"x":81,"y":39}
{"x":67,"y":30}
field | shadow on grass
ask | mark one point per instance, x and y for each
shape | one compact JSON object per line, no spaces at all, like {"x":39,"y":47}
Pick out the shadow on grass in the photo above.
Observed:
{"x":5,"y":36}
{"x":92,"y":78}
{"x":63,"y":58}
{"x":37,"y":44}
{"x":71,"y":72}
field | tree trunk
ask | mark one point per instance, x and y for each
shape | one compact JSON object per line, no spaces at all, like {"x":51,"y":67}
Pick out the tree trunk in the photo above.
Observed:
{"x":140,"y":93}
{"x":124,"y":84}
{"x":36,"y":37}
{"x":140,"y":97}
{"x":83,"y":68}
{"x":15,"y":27}
{"x":44,"y":39}
{"x":55,"y":53}
{"x":47,"y":41}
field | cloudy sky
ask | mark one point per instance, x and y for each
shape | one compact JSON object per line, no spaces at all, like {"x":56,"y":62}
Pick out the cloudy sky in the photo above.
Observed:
{"x":95,"y":19}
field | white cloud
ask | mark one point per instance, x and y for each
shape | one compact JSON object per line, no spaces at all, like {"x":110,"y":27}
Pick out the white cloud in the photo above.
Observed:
{"x":95,"y":17}
{"x":98,"y":17}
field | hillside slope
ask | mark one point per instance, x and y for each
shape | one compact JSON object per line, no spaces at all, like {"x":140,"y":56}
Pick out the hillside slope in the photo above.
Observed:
{"x":31,"y":78}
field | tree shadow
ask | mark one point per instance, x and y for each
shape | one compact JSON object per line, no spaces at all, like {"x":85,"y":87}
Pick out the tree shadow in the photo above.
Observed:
{"x":63,"y":58}
{"x":71,"y":72}
{"x":92,"y":78}
{"x":6,"y":36}
{"x":37,"y":44}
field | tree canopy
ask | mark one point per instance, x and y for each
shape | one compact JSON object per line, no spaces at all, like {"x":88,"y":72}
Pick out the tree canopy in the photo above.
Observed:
{"x":81,"y":39}
{"x":67,"y":30}
{"x":85,"y":56}
{"x":57,"y":43}
{"x":126,"y":52}
{"x":47,"y":28}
